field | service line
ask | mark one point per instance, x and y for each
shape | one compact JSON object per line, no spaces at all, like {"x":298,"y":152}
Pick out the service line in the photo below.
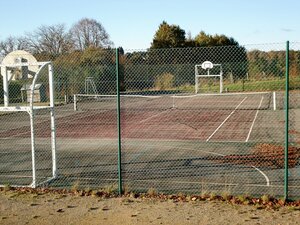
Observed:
{"x":251,"y":128}
{"x":225,"y":120}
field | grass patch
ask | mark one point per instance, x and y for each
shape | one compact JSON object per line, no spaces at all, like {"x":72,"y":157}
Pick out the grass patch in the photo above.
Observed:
{"x":246,"y":85}
{"x":111,"y":189}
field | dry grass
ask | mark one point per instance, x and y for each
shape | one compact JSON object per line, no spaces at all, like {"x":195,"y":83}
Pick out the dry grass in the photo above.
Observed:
{"x":226,"y":195}
{"x":152,"y":192}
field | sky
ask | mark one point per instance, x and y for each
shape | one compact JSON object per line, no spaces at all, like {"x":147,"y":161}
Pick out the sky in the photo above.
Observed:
{"x":132,"y":24}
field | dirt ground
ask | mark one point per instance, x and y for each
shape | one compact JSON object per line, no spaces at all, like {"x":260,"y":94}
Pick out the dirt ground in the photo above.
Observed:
{"x":55,"y":208}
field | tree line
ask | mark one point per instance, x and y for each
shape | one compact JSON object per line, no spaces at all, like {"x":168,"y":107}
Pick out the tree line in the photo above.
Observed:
{"x":85,"y":50}
{"x":173,"y":36}
{"x":56,"y":39}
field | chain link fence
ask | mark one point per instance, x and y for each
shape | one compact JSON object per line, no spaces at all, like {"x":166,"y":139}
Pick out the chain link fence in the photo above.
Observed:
{"x":179,"y":127}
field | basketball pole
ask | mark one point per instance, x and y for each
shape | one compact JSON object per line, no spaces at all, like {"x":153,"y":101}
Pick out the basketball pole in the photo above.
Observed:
{"x":5,"y":87}
{"x":52,"y":119}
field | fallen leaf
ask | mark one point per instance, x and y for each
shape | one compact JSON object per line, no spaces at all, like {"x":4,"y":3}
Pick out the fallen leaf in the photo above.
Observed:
{"x":60,"y":210}
{"x":94,"y":208}
{"x":33,"y":204}
{"x":105,"y":208}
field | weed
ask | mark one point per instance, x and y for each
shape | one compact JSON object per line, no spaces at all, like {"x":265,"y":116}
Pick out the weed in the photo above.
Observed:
{"x":94,"y":193}
{"x":7,"y":187}
{"x":265,"y":198}
{"x":204,"y":194}
{"x":126,"y":190}
{"x":88,"y":190}
{"x":188,"y":198}
{"x":242,"y":198}
{"x":111,"y":189}
{"x":226,"y":195}
{"x":212,"y":196}
{"x":292,"y":208}
{"x":180,"y":195}
{"x":75,"y":186}
{"x":152,"y":192}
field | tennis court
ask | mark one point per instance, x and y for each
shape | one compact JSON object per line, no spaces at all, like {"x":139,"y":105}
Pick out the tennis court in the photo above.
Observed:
{"x":164,"y":138}
{"x":227,"y":117}
{"x":206,"y":118}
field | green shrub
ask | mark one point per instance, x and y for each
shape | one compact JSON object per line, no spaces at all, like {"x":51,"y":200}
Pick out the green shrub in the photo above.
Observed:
{"x":164,"y":81}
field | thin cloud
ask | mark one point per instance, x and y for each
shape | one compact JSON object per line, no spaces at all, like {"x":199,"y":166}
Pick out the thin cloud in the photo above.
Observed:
{"x":287,"y":30}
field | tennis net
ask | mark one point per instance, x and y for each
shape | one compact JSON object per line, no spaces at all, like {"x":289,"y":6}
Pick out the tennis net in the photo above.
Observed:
{"x":225,"y":101}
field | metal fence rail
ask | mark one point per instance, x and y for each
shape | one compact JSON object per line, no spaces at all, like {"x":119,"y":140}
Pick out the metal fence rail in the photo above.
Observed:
{"x":134,"y":121}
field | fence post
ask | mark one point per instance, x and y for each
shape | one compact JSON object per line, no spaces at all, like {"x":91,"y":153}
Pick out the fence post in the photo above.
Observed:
{"x":286,"y":152}
{"x":119,"y":124}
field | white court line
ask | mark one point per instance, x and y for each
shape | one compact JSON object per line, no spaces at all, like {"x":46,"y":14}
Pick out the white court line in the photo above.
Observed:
{"x":266,"y":177}
{"x":214,"y":153}
{"x":151,"y":117}
{"x":214,"y":183}
{"x":218,"y":154}
{"x":223,"y":94}
{"x":252,"y":125}
{"x":225,"y":120}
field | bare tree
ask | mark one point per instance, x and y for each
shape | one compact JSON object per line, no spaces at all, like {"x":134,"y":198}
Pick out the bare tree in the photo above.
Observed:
{"x":88,"y":32}
{"x":11,"y":44}
{"x":51,"y":39}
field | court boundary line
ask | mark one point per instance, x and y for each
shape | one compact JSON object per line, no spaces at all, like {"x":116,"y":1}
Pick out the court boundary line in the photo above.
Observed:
{"x":262,"y":173}
{"x":252,"y":125}
{"x":219,"y":154}
{"x":213,"y":183}
{"x":223,"y":94}
{"x":216,"y":130}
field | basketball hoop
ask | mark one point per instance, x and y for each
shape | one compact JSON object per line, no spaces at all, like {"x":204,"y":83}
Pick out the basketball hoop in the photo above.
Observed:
{"x":203,"y":71}
{"x":207,"y":65}
{"x":21,"y":65}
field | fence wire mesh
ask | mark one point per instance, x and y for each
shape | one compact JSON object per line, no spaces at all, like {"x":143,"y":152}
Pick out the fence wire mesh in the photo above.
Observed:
{"x":87,"y":137}
{"x":178,"y":132}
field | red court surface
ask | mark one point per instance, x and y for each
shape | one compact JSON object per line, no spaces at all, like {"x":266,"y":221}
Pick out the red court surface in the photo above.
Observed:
{"x":171,"y":124}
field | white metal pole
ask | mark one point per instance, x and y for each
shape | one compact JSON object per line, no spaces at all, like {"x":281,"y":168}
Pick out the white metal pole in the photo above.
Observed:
{"x":53,"y":128}
{"x":75,"y":102}
{"x":31,"y":114}
{"x":173,"y":102}
{"x":196,"y":80}
{"x":274,"y":100}
{"x":5,"y":87}
{"x":196,"y":84}
{"x":221,"y":78}
{"x":221,"y":83}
